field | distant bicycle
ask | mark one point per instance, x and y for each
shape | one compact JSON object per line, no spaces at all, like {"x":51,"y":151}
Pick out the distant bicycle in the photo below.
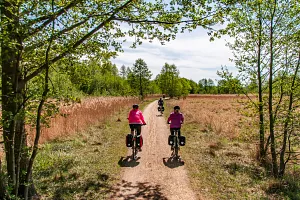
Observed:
{"x":161,"y":109}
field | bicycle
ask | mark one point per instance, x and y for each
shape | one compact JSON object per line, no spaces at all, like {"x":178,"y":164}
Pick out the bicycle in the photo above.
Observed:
{"x":135,"y":146}
{"x":175,"y":142}
{"x":161,"y":109}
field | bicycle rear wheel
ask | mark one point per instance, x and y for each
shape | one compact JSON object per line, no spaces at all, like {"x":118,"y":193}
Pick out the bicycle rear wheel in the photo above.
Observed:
{"x":134,"y":153}
{"x":174,"y":149}
{"x":134,"y":148}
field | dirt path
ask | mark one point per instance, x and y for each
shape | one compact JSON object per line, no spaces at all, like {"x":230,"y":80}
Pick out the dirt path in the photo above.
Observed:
{"x":153,"y":176}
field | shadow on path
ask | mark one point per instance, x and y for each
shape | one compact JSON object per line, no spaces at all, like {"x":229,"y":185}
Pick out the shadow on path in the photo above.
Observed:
{"x":141,"y":190}
{"x":128,"y":162}
{"x":87,"y":189}
{"x":172,"y":162}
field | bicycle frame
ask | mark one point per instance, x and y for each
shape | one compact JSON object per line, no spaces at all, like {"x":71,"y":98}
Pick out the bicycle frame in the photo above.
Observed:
{"x":175,"y":145}
{"x":161,"y":109}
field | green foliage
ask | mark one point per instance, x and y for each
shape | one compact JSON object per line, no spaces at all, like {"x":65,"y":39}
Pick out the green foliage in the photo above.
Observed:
{"x":207,"y":86}
{"x":123,"y":72}
{"x":63,"y":87}
{"x":87,"y":77}
{"x":228,"y":84}
{"x":139,"y":78}
{"x":183,"y":87}
{"x":194,"y":89}
{"x":168,"y":80}
{"x":154,"y":88}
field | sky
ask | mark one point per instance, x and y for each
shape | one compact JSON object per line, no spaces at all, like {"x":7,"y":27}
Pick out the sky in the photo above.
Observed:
{"x":192,"y":52}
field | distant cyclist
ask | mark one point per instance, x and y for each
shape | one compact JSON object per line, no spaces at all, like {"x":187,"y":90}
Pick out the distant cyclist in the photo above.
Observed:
{"x":175,"y":120}
{"x":161,"y":102}
{"x":136,"y":120}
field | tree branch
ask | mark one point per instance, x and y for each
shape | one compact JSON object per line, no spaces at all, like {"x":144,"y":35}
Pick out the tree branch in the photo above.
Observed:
{"x":78,"y":43}
{"x":161,"y":22}
{"x":51,"y":18}
{"x":58,"y":34}
{"x":63,"y":31}
{"x":39,"y":116}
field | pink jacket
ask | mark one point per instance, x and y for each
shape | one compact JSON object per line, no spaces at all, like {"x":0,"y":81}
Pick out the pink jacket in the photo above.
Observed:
{"x":136,"y":117}
{"x":176,"y":120}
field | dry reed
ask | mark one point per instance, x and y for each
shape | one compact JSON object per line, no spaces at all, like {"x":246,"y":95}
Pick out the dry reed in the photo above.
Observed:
{"x":217,"y":113}
{"x":79,"y":116}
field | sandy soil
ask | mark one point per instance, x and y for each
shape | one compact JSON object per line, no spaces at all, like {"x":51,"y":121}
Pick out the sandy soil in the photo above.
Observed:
{"x":153,"y":175}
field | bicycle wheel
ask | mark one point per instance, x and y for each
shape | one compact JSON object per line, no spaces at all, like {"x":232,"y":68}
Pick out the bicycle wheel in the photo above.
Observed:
{"x":176,"y":148}
{"x":134,"y":149}
{"x":134,"y":146}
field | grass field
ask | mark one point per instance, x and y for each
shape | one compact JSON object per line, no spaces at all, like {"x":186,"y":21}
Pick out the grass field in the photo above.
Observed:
{"x":221,"y":152}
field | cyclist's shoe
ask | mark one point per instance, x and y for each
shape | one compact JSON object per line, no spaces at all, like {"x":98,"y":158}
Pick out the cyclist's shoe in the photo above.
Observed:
{"x":140,"y":149}
{"x":172,"y":148}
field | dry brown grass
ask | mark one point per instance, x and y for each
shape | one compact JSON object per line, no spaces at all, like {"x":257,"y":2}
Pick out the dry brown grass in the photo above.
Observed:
{"x":218,"y":113}
{"x":221,"y":150}
{"x":79,"y":116}
{"x":217,"y":96}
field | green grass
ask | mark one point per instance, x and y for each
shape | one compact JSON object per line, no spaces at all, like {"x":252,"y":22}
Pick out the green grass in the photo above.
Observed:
{"x":220,"y":168}
{"x":85,"y":165}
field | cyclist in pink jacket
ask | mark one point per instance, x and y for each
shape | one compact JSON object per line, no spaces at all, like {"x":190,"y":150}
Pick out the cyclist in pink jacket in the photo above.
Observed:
{"x":176,"y":118}
{"x":136,"y":119}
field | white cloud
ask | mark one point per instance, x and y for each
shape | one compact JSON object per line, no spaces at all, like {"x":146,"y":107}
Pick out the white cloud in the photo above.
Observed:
{"x":194,"y":55}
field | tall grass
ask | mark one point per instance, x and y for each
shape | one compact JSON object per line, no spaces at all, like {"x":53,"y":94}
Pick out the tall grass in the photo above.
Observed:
{"x":220,"y":157}
{"x":219,"y":114}
{"x":79,"y":116}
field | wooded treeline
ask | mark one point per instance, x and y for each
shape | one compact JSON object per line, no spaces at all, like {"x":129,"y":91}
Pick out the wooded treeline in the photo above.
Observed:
{"x":94,"y":77}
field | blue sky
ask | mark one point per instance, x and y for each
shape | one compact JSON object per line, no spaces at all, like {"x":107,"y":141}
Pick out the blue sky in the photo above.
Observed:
{"x":192,"y":52}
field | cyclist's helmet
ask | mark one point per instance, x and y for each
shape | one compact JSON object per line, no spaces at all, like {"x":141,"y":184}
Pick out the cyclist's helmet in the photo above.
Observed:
{"x":135,"y":106}
{"x":176,"y":108}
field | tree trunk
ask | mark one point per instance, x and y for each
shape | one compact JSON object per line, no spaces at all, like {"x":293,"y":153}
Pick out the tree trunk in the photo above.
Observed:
{"x":13,"y":96}
{"x":10,"y":72}
{"x":260,"y":94}
{"x":271,"y":114}
{"x":287,"y":121}
{"x":2,"y":183}
{"x":141,"y":86}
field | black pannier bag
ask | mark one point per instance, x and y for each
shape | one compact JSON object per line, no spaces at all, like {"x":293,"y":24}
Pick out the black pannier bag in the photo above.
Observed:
{"x":162,"y":108}
{"x":181,"y":140}
{"x":171,"y":139}
{"x":129,"y":141}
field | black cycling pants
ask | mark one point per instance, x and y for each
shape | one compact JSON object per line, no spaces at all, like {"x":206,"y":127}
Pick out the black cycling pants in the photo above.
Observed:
{"x":172,"y":130}
{"x":137,"y":126}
